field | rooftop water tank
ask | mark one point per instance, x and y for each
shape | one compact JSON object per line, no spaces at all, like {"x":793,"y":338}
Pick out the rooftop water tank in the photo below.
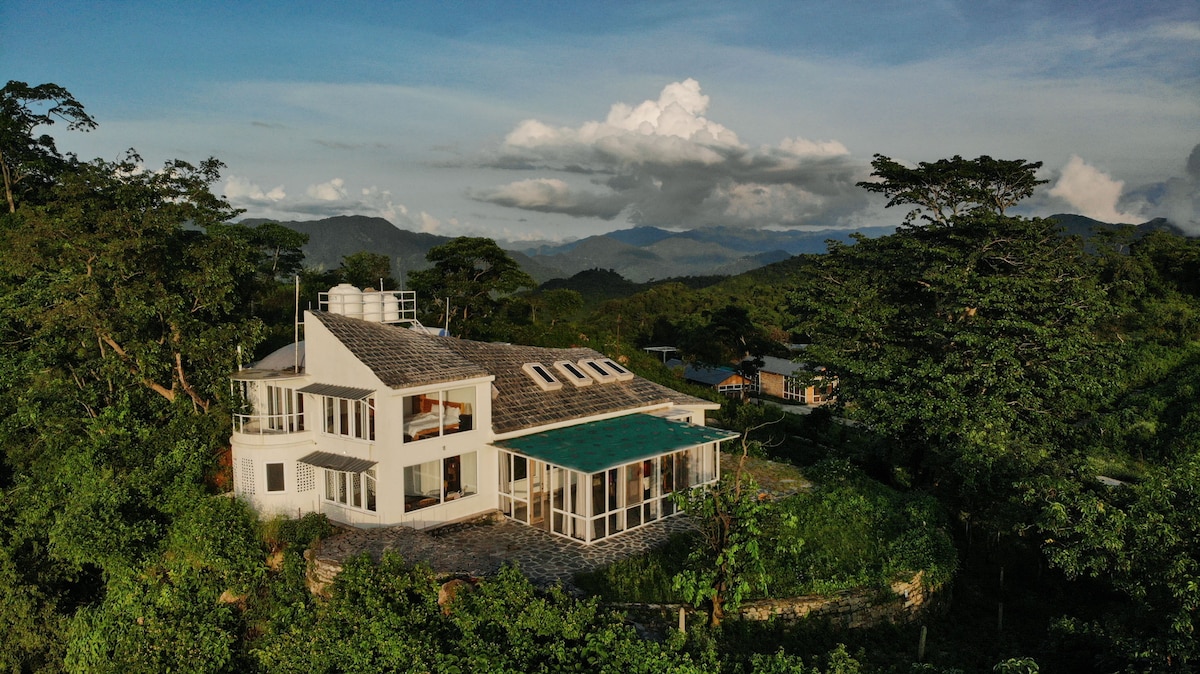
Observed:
{"x":372,"y":305}
{"x":391,"y":308}
{"x":346,"y":300}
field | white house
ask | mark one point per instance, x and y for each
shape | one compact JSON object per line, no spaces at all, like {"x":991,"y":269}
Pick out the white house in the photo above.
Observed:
{"x":377,"y":424}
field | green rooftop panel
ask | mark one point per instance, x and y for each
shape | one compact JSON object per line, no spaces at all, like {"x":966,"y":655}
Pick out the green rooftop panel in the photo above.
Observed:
{"x":600,"y":445}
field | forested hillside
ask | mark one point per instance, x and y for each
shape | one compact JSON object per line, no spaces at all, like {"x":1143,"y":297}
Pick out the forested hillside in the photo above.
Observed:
{"x":1002,"y":385}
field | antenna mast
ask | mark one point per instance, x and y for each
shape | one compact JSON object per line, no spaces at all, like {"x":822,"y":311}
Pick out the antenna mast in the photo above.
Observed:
{"x":296,"y":328}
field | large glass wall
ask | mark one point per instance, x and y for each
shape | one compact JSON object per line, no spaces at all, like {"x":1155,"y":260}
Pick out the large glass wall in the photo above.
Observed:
{"x":592,"y":506}
{"x":439,"y":413}
{"x":441,"y":480}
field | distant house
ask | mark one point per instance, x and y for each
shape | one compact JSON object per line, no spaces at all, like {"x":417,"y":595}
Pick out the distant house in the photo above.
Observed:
{"x":790,"y":380}
{"x":723,"y":379}
{"x":383,"y":425}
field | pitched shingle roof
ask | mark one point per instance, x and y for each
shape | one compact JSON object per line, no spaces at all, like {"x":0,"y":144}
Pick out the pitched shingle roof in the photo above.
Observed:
{"x":402,"y":357}
{"x":520,"y":403}
{"x":398,"y":356}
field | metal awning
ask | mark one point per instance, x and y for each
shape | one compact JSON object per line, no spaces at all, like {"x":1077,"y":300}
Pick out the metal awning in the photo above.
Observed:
{"x":345,"y":464}
{"x":347,"y":392}
{"x":599,"y":445}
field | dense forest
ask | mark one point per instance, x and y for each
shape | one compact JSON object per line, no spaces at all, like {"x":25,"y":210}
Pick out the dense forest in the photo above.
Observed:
{"x":1016,"y":412}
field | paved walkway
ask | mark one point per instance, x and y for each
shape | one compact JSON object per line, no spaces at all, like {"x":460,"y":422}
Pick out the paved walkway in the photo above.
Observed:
{"x":481,"y":547}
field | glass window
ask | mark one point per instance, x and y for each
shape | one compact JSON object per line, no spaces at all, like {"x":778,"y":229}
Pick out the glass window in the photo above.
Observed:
{"x":468,"y":477}
{"x":440,"y":413}
{"x":438,"y":481}
{"x":668,"y":474}
{"x":351,"y":418}
{"x":351,"y":489}
{"x":599,"y":501}
{"x":370,"y":404}
{"x":633,"y":483}
{"x":360,"y":425}
{"x":343,"y":416}
{"x":274,"y":477}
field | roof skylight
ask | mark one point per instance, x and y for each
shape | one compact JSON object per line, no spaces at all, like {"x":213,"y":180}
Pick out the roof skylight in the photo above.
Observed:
{"x":573,"y":373}
{"x":597,"y":371}
{"x":541,"y":376}
{"x":612,"y":366}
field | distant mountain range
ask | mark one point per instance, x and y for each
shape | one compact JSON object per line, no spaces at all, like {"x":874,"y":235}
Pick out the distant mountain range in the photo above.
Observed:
{"x":638,"y":254}
{"x":644,"y":253}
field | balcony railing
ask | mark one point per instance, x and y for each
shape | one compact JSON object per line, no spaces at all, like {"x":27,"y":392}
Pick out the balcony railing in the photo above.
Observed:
{"x":269,"y":424}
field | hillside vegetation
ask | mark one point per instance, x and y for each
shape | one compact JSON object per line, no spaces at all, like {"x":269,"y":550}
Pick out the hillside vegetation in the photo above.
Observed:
{"x":1007,"y":387}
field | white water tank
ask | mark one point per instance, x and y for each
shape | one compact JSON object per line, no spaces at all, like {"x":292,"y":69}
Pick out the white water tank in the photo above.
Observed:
{"x":391,"y":307}
{"x":346,"y":300}
{"x":372,"y":305}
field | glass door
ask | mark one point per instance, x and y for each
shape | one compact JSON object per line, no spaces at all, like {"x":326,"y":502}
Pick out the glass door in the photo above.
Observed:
{"x":539,"y":495}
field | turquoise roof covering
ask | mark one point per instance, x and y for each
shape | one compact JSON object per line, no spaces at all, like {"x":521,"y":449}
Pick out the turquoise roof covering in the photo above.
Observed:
{"x":599,"y":445}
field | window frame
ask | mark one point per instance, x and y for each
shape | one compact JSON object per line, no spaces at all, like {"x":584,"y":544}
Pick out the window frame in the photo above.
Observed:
{"x":282,"y":477}
{"x":461,"y":470}
{"x":345,"y":489}
{"x":349,"y":418}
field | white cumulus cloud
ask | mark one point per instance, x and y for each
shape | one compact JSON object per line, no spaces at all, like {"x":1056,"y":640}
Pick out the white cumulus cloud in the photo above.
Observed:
{"x":802,"y":147}
{"x":663,"y":162}
{"x":1092,"y":192}
{"x":241,"y":192}
{"x":334,"y":190}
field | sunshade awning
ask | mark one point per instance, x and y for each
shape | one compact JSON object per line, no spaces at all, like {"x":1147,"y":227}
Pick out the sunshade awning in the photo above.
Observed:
{"x":604,"y":444}
{"x":346,"y":464}
{"x":348,"y":392}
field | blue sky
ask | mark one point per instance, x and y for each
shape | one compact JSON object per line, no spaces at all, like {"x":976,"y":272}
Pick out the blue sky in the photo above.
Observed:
{"x":551,"y":120}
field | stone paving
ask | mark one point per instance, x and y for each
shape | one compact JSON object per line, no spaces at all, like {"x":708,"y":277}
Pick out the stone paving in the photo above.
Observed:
{"x":481,"y":547}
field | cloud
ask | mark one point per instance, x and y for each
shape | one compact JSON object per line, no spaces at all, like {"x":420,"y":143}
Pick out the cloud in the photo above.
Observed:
{"x":1180,"y":196}
{"x":330,"y":198}
{"x":1092,"y":192}
{"x":551,"y":195}
{"x":334,"y":190}
{"x":802,"y":147}
{"x":663,"y":162}
{"x":242,"y":193}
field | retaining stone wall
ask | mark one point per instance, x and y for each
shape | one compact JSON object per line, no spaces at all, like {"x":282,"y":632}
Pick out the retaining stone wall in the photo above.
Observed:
{"x":850,"y":608}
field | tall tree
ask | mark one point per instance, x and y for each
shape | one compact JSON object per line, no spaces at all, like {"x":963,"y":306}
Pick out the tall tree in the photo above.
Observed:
{"x":948,"y":188}
{"x":109,"y":262}
{"x":366,"y":270}
{"x":970,"y":343}
{"x":280,"y":248}
{"x":474,"y":276}
{"x":27,"y":160}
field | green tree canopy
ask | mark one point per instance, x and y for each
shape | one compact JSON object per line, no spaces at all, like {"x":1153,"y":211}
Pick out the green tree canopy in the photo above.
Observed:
{"x":365,"y":269}
{"x":474,"y":275}
{"x":970,"y":345}
{"x":948,"y":188}
{"x":105,"y":279}
{"x":29,"y":161}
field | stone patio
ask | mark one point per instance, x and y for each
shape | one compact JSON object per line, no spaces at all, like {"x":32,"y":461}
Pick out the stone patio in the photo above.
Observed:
{"x":480,"y":547}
